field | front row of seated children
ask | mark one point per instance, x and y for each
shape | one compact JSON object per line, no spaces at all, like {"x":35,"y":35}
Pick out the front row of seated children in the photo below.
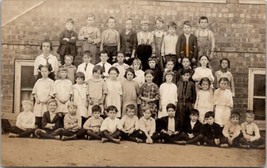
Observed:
{"x":167,"y":129}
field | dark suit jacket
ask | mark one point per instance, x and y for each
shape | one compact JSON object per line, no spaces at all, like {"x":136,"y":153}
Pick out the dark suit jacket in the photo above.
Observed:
{"x":212,"y":131}
{"x":190,"y":92}
{"x":67,"y":45}
{"x":57,"y":120}
{"x":128,"y":42}
{"x":163,"y":124}
{"x":181,"y":46}
{"x":197,"y":129}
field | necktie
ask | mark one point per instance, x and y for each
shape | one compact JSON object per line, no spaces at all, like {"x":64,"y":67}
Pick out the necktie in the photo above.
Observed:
{"x":85,"y":66}
{"x":103,"y":68}
{"x":46,"y":58}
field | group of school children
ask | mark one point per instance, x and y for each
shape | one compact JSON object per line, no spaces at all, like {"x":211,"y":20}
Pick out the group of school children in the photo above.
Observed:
{"x":142,"y":87}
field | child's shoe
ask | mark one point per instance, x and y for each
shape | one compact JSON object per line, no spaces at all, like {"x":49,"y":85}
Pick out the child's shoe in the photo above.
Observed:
{"x":224,"y":145}
{"x":12,"y":135}
{"x":181,"y":142}
{"x":116,"y":140}
{"x":104,"y":140}
{"x":198,"y":144}
{"x":244,"y":146}
{"x":261,"y":146}
{"x":89,"y":137}
{"x":57,"y":137}
{"x":138,"y":140}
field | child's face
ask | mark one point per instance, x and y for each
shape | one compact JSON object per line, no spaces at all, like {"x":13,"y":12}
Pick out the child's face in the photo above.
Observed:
{"x":112,"y":114}
{"x":152,"y":64}
{"x":52,"y":106}
{"x":186,"y":29}
{"x":203,"y":61}
{"x":223,"y":84}
{"x":144,"y":27}
{"x":193,"y":117}
{"x":104,"y":57}
{"x":169,"y":78}
{"x":46,"y":48}
{"x":224,"y":64}
{"x":209,"y":120}
{"x":27,"y":107}
{"x":69,"y":26}
{"x":234,"y":120}
{"x":169,"y":65}
{"x":147,"y":114}
{"x":72,"y":110}
{"x":129,"y":76}
{"x":128,"y":25}
{"x":130,"y":112}
{"x":186,"y":76}
{"x":249,"y":118}
{"x":44,"y":72}
{"x":172,"y":30}
{"x":186,"y":62}
{"x":203,"y":23}
{"x":90,"y":21}
{"x":159,"y":24}
{"x":111,"y":23}
{"x":136,"y":66}
{"x":68,"y":60}
{"x":113,"y":75}
{"x":96,"y":114}
{"x":63,"y":74}
{"x":205,"y":85}
{"x":149,"y":78}
{"x":79,"y":80}
{"x":97,"y":74}
{"x":120,"y":58}
{"x":86,"y":59}
{"x":171,"y":112}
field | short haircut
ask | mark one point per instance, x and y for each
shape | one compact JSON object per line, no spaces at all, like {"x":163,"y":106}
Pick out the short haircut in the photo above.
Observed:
{"x":187,"y":23}
{"x":204,"y":79}
{"x":159,"y":19}
{"x":91,"y":15}
{"x":24,"y":102}
{"x":129,"y":70}
{"x":96,"y":108}
{"x":87,"y":53}
{"x":48,"y":67}
{"x":68,"y":55}
{"x":168,"y":72}
{"x":138,"y":61}
{"x":145,"y":21}
{"x":171,"y":105}
{"x":46,"y":41}
{"x":172,"y":24}
{"x":194,"y":112}
{"x":130,"y":106}
{"x":185,"y":71}
{"x":203,"y":56}
{"x":152,"y":59}
{"x":62,"y":68}
{"x":112,"y":108}
{"x":52,"y":101}
{"x":110,"y":18}
{"x":185,"y":58}
{"x":149,"y":71}
{"x":70,"y":20}
{"x":145,"y":108}
{"x":250,"y":113}
{"x":80,"y":75}
{"x":114,"y":69}
{"x":129,"y":19}
{"x":169,"y":61}
{"x":235,"y":115}
{"x":120,"y":52}
{"x":72,"y":104}
{"x":209,"y":114}
{"x":103,"y":52}
{"x":226,"y":59}
{"x":97,"y":68}
{"x":224,"y":79}
{"x":203,"y":18}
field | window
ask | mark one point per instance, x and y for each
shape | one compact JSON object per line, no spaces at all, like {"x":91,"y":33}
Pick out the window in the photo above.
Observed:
{"x":24,"y":82}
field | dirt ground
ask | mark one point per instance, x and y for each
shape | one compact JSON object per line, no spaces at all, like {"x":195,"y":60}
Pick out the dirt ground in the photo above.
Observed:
{"x":37,"y":152}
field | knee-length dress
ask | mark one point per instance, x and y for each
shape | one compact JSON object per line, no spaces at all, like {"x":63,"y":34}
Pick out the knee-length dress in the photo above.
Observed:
{"x":130,"y":89}
{"x":79,"y":97}
{"x":168,"y":94}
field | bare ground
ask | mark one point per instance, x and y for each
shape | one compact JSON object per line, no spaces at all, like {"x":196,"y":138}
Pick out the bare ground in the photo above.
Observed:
{"x":37,"y":152}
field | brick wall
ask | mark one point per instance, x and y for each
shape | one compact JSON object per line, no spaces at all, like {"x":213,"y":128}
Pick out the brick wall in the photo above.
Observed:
{"x":239,"y":30}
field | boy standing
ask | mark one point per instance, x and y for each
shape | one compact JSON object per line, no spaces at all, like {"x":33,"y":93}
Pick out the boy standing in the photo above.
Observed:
{"x":187,"y":45}
{"x":105,"y":66}
{"x":110,"y":41}
{"x":86,"y":67}
{"x":90,"y":35}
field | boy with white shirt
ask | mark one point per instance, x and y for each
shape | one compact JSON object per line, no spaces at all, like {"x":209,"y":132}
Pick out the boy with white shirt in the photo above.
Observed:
{"x":104,"y":64}
{"x":86,"y":67}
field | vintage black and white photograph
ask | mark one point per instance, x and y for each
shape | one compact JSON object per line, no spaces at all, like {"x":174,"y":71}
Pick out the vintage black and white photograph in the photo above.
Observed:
{"x":107,"y":83}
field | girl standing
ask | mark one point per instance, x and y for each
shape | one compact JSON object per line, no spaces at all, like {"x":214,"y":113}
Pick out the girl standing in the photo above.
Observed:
{"x":139,"y":78}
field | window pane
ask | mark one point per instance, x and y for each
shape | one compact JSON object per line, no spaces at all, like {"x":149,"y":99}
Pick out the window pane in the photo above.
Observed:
{"x":27,"y":78}
{"x":259,"y":85}
{"x":259,"y":108}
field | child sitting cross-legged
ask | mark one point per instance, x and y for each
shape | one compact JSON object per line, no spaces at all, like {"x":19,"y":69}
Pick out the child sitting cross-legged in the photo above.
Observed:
{"x":129,"y":124}
{"x":93,"y":124}
{"x":192,"y":133}
{"x":110,"y":125}
{"x":72,"y":124}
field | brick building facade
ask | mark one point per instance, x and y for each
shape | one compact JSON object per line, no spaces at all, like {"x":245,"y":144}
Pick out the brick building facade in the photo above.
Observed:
{"x":239,"y":29}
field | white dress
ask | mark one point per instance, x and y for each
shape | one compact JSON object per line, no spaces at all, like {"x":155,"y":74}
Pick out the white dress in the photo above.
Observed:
{"x":43,"y":88}
{"x":122,"y":69}
{"x":79,"y":97}
{"x":63,"y":89}
{"x":140,"y":77}
{"x":168,"y":94}
{"x":201,"y":72}
{"x":223,"y":102}
{"x":114,"y":94}
{"x":204,"y":103}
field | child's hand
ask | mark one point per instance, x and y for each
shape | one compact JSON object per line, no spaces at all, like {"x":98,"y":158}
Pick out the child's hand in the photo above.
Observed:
{"x":149,"y":140}
{"x":169,"y":133}
{"x":191,"y":135}
{"x":90,"y":40}
{"x":176,"y":132}
{"x":66,"y":39}
{"x":38,"y":101}
{"x":217,"y":141}
{"x":179,"y":60}
{"x":193,"y":60}
{"x":73,"y":38}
